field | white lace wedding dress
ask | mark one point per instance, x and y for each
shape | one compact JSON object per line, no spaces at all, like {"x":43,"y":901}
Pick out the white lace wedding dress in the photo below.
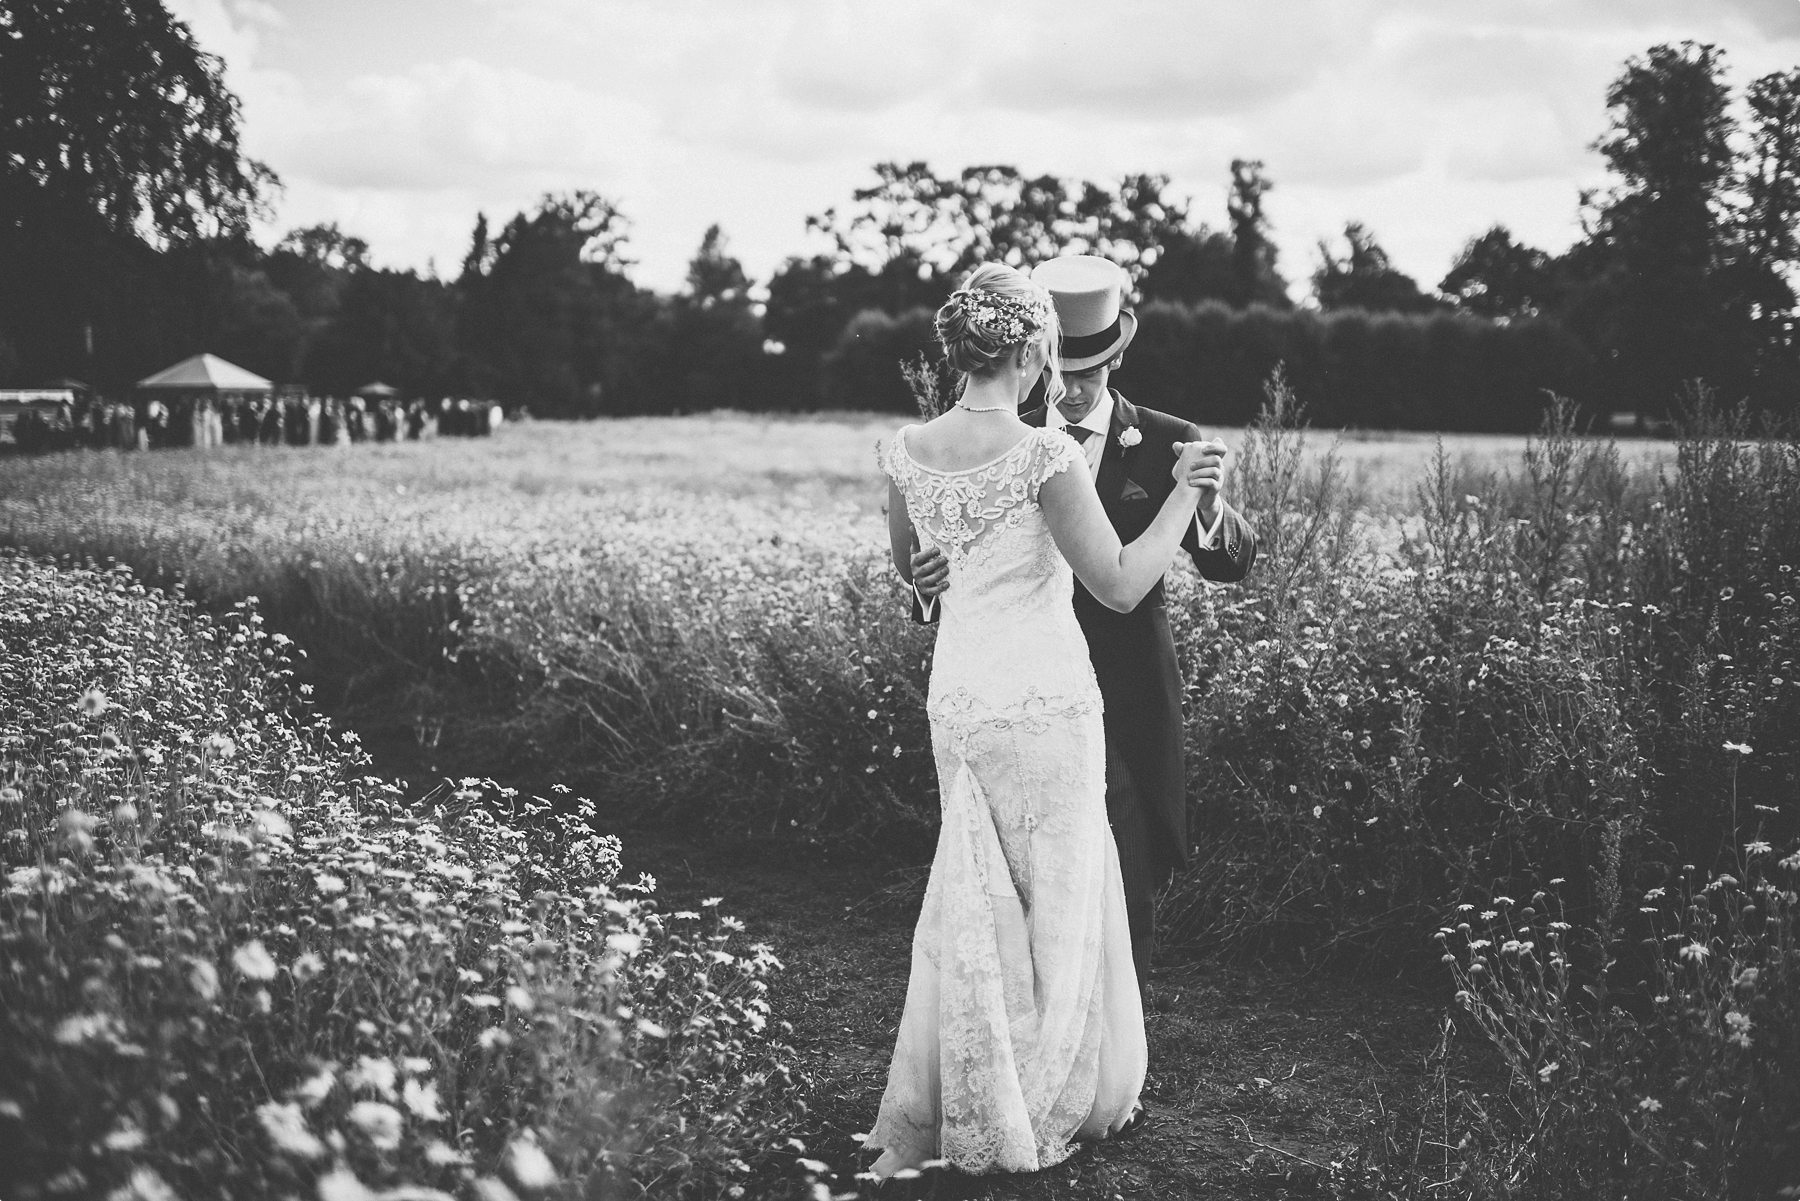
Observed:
{"x":1023,"y":1029}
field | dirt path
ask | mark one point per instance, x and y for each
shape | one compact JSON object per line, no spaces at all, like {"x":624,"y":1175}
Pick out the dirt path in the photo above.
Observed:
{"x":1259,"y":1078}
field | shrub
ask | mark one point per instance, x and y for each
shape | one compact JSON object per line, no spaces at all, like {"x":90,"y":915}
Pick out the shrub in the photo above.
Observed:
{"x":1208,"y":362}
{"x":1443,"y":371}
{"x":1541,"y":658}
{"x":232,"y":960}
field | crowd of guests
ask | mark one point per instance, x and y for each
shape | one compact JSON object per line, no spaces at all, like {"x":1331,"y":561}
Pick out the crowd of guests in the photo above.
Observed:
{"x":150,"y":422}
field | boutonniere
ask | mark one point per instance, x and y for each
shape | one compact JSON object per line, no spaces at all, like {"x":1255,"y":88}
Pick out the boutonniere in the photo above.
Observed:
{"x":1130,"y":436}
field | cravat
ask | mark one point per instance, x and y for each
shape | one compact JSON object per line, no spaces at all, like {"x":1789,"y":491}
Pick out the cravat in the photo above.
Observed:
{"x":1078,"y":432}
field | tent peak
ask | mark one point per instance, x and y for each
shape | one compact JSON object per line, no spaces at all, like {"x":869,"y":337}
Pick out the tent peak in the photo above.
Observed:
{"x":202,"y":372}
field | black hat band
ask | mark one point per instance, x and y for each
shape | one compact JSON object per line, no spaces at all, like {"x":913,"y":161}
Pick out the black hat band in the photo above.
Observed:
{"x":1083,"y":346}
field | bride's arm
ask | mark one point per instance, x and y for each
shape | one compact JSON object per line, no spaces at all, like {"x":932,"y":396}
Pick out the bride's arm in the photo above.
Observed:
{"x":900,"y":532}
{"x":1118,"y":576}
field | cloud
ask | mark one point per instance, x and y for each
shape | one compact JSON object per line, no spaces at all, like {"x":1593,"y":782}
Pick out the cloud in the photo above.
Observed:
{"x":844,"y":59}
{"x":409,"y":229}
{"x":1156,"y":62}
{"x":260,"y":12}
{"x":220,"y":30}
{"x":1449,"y":62}
{"x":1344,"y":133}
{"x":1777,"y":19}
{"x":1493,"y":103}
{"x":1515,"y":143}
{"x":440,"y":125}
{"x":1665,"y":20}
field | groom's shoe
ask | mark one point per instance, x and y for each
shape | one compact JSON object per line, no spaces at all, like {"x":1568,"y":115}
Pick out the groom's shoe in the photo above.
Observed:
{"x":1134,"y":1125}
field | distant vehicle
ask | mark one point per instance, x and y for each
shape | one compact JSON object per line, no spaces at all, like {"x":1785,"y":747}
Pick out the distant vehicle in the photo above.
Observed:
{"x":1639,"y":423}
{"x":54,"y":407}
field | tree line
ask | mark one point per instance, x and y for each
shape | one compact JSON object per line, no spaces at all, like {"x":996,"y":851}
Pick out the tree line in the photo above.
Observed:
{"x":126,"y":205}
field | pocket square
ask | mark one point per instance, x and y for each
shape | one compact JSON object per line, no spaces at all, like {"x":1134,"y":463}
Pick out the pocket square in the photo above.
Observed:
{"x":1132,"y":492}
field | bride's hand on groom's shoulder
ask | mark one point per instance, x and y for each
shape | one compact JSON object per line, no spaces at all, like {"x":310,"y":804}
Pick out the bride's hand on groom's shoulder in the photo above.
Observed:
{"x":930,"y":572}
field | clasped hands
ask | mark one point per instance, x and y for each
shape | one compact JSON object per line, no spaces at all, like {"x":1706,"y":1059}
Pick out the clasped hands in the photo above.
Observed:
{"x":1199,"y":464}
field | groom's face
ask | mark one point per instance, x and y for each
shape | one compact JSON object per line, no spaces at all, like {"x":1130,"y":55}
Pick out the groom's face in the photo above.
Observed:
{"x":1081,"y":392}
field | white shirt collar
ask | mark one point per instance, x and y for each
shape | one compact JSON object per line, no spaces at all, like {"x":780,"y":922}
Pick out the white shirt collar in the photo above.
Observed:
{"x":1099,"y":420}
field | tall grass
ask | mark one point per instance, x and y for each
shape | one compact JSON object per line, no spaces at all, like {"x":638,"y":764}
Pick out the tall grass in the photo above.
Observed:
{"x":1651,"y":1053}
{"x":1374,"y":734}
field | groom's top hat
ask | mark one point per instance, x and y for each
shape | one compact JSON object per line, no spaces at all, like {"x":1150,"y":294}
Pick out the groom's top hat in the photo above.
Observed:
{"x":1089,"y":294}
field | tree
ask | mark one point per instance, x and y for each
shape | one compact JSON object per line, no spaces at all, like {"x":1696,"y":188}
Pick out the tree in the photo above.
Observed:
{"x":481,"y":251}
{"x":717,"y":338}
{"x":1670,"y":144}
{"x":392,"y":326}
{"x":586,"y":221}
{"x":920,"y":231}
{"x":1191,"y":268}
{"x":109,"y":107}
{"x":1135,"y":225}
{"x":908,"y":237}
{"x":250,"y":321}
{"x":1192,"y":264}
{"x":1664,"y":224}
{"x":1496,"y":277}
{"x":117,"y":136}
{"x":1768,"y":249}
{"x":326,"y":246}
{"x":1770,"y":179}
{"x":810,"y":302}
{"x":1253,"y":251}
{"x":553,"y":321}
{"x":713,"y":276}
{"x":312,"y":265}
{"x":1364,"y":278}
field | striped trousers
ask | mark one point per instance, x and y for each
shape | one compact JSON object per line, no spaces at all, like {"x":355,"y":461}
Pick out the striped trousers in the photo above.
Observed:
{"x":1131,"y":832}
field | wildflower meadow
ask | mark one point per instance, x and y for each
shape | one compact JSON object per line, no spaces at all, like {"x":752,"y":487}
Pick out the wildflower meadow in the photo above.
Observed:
{"x":1515,"y":722}
{"x":234,"y":963}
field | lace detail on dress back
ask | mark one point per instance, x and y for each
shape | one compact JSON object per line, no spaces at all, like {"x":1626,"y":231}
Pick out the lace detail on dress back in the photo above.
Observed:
{"x":963,"y":511}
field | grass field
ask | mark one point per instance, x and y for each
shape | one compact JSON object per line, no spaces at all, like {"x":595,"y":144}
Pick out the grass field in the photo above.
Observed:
{"x":830,"y":459}
{"x":826,"y":459}
{"x":1452,"y":679}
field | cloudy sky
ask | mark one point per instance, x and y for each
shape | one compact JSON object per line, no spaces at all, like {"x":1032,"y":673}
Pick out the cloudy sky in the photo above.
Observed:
{"x":1429,"y":120}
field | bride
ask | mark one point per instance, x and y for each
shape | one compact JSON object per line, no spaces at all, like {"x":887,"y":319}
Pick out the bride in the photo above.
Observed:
{"x":1023,"y":1029}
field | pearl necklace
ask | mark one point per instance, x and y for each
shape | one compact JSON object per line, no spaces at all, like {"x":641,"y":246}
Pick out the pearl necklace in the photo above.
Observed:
{"x":989,"y":409}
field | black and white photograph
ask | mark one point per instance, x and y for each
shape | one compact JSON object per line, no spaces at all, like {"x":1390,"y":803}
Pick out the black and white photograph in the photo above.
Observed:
{"x":823,"y":600}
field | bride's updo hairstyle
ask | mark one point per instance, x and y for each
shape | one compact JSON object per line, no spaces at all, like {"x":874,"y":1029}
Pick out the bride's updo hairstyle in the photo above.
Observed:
{"x":995,"y":312}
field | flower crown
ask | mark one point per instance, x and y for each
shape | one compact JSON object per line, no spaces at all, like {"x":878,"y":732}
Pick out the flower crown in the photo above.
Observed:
{"x":1005,"y":319}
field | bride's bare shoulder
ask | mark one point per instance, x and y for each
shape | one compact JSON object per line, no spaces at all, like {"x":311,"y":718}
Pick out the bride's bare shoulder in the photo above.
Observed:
{"x":949,"y":443}
{"x":926,"y":434}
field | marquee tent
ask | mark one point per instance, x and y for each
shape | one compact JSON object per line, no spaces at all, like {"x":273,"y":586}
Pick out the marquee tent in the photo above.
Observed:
{"x":206,"y":373}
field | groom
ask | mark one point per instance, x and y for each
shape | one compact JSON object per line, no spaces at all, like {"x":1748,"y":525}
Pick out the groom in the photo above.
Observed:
{"x":1131,"y":452}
